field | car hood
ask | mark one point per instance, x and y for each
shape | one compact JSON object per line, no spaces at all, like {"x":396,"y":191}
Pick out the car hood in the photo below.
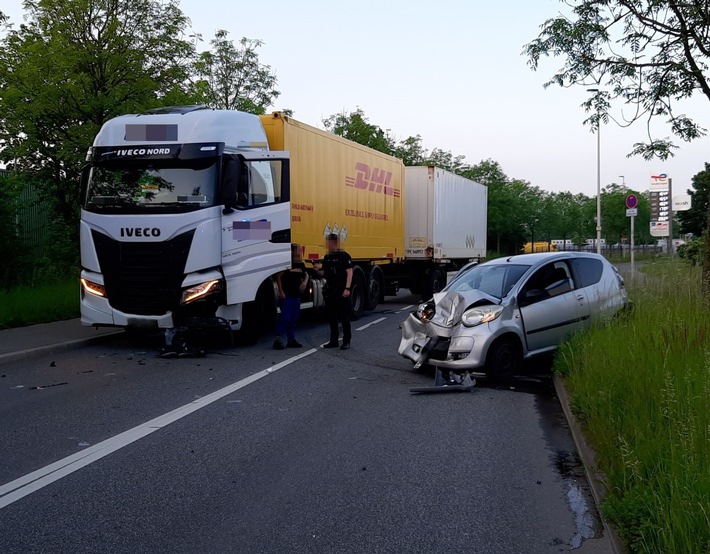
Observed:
{"x":451,"y":305}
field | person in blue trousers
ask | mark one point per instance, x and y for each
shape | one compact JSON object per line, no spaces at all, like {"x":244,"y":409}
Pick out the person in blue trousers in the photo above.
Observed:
{"x":291,"y":284}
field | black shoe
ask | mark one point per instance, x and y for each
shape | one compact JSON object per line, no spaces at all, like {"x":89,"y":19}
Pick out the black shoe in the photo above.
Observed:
{"x":331,"y":344}
{"x":293,"y":344}
{"x":345,"y":346}
{"x":278,"y":344}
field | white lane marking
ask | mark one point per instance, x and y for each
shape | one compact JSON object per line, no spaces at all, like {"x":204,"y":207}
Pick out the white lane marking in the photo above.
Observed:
{"x":371,"y":323}
{"x":405,"y":309}
{"x":21,"y":487}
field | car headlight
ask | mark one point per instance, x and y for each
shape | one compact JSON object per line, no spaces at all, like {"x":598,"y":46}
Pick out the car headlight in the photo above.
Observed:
{"x":200,"y":291}
{"x":484,"y":314}
{"x":93,"y":288}
{"x":425,"y":312}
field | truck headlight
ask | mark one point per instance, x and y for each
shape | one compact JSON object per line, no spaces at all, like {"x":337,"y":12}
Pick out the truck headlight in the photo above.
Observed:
{"x":484,"y":314}
{"x":92,"y":288}
{"x":200,"y":291}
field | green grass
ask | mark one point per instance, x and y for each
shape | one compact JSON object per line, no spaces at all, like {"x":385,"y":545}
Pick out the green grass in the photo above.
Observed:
{"x":39,"y":304}
{"x":641,"y":387}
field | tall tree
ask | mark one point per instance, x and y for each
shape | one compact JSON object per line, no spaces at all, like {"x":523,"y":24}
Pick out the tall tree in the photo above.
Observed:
{"x":695,"y":220}
{"x":231,"y":77}
{"x":649,"y":54}
{"x":356,"y":126}
{"x":73,"y":65}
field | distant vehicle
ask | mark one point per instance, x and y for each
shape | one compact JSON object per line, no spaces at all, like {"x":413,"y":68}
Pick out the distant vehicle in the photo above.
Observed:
{"x":493,"y":315}
{"x":541,"y":246}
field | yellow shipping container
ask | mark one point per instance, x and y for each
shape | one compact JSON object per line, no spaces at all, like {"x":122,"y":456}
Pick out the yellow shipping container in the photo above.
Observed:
{"x":339,"y":186}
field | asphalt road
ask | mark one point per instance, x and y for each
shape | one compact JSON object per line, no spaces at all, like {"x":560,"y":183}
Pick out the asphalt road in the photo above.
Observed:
{"x":111,"y":449}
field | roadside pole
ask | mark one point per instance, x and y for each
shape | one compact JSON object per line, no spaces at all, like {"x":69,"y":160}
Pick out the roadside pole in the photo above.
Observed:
{"x":632,"y":202}
{"x":670,"y":218}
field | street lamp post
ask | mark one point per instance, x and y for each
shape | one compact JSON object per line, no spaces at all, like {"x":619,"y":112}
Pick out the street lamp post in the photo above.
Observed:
{"x":599,"y":178}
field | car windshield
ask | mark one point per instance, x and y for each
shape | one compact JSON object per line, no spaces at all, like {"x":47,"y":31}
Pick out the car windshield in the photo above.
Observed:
{"x":493,"y":279}
{"x":137,"y":186}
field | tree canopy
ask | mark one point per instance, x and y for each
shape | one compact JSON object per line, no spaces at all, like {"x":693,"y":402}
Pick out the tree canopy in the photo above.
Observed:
{"x":647,"y":54}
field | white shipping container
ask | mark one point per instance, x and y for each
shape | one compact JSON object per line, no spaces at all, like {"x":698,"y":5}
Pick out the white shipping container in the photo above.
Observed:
{"x":446,"y":215}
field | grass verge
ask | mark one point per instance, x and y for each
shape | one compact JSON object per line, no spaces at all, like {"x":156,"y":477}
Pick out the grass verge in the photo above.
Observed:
{"x":39,"y":304}
{"x":641,"y":387}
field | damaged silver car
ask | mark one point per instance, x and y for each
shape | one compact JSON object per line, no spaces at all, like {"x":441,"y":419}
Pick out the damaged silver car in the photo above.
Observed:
{"x":493,"y":315}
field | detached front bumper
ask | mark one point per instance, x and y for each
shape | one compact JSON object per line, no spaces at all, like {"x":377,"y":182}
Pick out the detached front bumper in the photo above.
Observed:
{"x":451,"y":348}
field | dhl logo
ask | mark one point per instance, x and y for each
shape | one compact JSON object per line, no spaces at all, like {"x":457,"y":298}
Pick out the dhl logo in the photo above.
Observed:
{"x":372,"y":179}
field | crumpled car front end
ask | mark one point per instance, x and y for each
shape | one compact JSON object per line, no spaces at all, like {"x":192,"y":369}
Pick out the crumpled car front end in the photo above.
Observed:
{"x":452,"y":332}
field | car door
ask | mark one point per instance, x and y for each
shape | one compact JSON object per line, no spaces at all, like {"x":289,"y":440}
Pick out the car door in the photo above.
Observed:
{"x":550,"y":307}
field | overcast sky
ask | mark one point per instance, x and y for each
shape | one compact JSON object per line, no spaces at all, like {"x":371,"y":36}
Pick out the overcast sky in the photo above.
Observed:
{"x":451,"y":71}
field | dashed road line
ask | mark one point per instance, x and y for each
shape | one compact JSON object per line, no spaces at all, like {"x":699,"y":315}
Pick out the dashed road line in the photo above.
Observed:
{"x":21,"y":487}
{"x":369,"y":324}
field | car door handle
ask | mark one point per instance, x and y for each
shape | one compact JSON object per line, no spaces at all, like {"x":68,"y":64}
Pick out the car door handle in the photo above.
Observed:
{"x":580,"y":297}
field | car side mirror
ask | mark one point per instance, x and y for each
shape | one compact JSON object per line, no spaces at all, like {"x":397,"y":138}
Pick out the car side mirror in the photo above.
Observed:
{"x":530,"y":297}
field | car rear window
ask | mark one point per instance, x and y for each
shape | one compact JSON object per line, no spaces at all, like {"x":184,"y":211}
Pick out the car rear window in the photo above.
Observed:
{"x":588,"y":270}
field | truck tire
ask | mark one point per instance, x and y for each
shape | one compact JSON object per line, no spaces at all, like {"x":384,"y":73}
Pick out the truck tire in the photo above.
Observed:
{"x":259,"y":316}
{"x":358,"y":293}
{"x":434,"y":283}
{"x":375,"y":288}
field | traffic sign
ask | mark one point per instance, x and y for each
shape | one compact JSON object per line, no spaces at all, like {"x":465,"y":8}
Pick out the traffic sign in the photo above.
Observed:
{"x":632,"y":212}
{"x":632,"y":201}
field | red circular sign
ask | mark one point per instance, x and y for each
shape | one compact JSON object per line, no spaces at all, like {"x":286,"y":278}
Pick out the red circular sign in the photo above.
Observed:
{"x":632,"y":201}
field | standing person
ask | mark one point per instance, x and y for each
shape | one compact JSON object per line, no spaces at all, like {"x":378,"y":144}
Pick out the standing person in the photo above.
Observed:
{"x":291,"y":285}
{"x":338,"y":272}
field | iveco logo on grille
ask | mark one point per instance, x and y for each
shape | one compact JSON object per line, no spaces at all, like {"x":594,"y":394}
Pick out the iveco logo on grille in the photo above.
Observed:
{"x":140,"y":232}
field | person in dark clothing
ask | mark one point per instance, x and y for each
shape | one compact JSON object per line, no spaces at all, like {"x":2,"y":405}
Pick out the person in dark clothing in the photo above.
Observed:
{"x":337,"y":268}
{"x":291,"y":285}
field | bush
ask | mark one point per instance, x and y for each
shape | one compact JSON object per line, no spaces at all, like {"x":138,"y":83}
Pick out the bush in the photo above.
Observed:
{"x":693,"y":251}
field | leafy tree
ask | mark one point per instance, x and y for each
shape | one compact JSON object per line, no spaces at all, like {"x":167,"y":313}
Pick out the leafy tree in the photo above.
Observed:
{"x":695,"y":219}
{"x":356,"y":127}
{"x":73,"y":65}
{"x":410,"y":151}
{"x":232,"y":77}
{"x":650,"y":54}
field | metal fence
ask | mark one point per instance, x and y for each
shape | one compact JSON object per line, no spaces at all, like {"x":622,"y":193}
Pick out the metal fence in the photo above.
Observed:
{"x":31,"y":218}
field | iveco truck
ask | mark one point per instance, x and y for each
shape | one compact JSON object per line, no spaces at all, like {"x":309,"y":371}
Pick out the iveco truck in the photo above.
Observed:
{"x":189,"y":213}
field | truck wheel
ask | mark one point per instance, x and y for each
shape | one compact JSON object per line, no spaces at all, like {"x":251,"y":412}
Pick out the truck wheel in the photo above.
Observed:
{"x":503,"y":359}
{"x":357,"y":294}
{"x":259,"y":316}
{"x":434,"y":284}
{"x":375,"y":290}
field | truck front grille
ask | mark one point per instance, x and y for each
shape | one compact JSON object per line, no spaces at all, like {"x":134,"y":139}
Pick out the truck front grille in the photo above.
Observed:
{"x":143,"y":278}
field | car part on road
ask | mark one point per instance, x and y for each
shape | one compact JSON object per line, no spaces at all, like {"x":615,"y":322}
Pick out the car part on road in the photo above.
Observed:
{"x":447,"y":381}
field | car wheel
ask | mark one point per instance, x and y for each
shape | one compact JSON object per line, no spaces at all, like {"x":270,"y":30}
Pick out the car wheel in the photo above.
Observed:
{"x":503,"y":359}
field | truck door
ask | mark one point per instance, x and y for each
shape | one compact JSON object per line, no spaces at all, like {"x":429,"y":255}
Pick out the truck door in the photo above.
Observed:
{"x":550,"y":307}
{"x":256,"y":221}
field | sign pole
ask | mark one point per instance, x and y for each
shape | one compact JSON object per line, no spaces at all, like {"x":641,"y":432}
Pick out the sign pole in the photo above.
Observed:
{"x":670,"y":218}
{"x":633,"y":265}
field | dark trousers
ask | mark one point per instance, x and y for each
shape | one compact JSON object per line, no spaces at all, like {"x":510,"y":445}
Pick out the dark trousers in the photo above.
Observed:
{"x":290,"y":310}
{"x":337,"y":310}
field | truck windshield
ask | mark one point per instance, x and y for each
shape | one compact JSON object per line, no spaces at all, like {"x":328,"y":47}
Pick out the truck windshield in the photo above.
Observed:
{"x":171,"y":185}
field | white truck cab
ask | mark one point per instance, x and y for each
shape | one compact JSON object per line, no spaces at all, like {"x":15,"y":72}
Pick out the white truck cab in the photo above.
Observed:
{"x":185,"y":214}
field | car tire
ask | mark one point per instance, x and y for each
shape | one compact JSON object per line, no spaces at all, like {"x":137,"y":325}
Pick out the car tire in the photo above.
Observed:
{"x":503,"y":359}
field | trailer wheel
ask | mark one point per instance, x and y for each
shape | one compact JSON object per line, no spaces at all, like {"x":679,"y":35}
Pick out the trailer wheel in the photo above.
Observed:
{"x":434,"y":284}
{"x":259,"y":315}
{"x":358,"y":294}
{"x":375,"y":288}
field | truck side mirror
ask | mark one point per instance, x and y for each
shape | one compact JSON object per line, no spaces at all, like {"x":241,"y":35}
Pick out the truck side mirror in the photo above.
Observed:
{"x":230,"y":179}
